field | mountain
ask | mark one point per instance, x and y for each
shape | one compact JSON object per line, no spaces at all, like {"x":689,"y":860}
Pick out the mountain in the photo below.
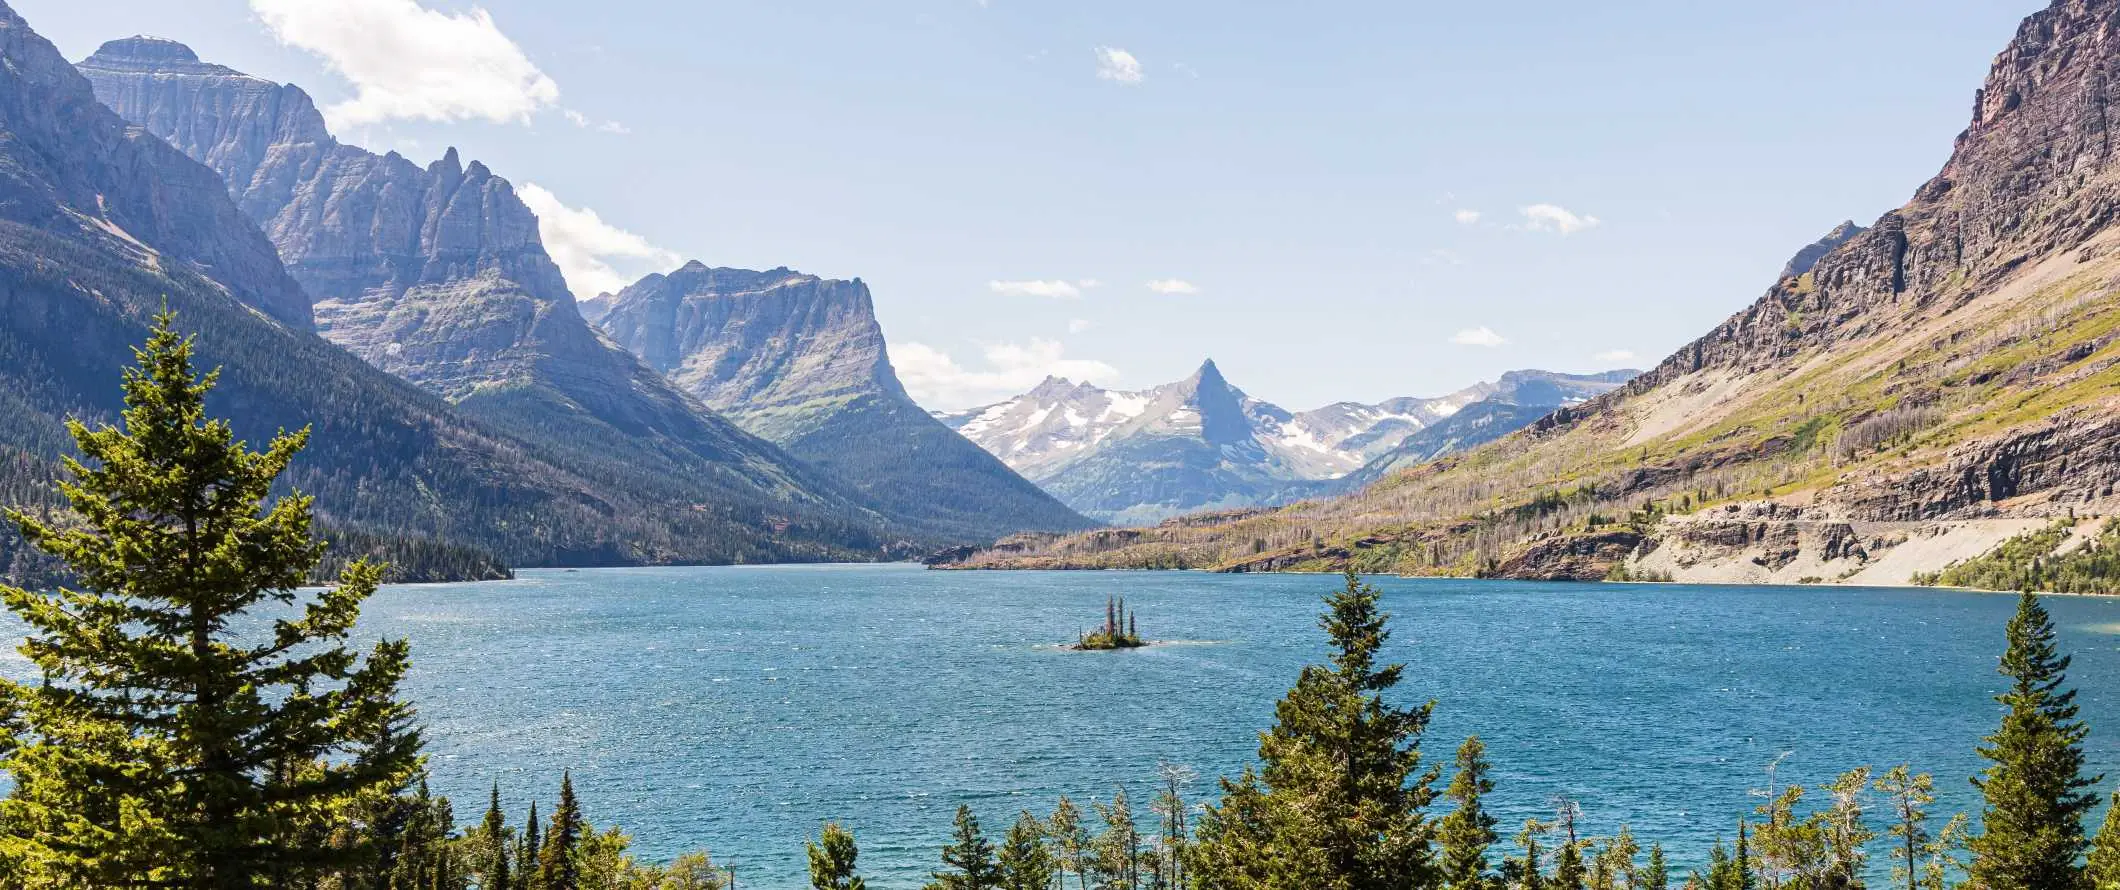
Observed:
{"x":1202,"y":444}
{"x":1514,"y":402}
{"x":1811,"y":253}
{"x":800,"y":360}
{"x":1944,"y":380}
{"x":438,"y":276}
{"x":103,"y":224}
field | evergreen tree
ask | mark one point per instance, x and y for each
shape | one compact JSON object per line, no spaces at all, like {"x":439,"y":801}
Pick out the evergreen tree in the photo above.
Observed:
{"x":832,"y":860}
{"x":1026,"y":863}
{"x":1723,"y":872}
{"x":157,"y":745}
{"x":2035,"y":790}
{"x":1117,"y":851}
{"x":1657,"y":874}
{"x":1908,"y":796}
{"x":1846,"y":836}
{"x":493,"y":847}
{"x":1743,"y":864}
{"x":1340,"y":803}
{"x":1467,"y":832}
{"x":969,"y":858}
{"x":526,"y":852}
{"x":1531,"y":876}
{"x":1568,"y":871}
{"x":558,"y":861}
{"x":2104,"y":870}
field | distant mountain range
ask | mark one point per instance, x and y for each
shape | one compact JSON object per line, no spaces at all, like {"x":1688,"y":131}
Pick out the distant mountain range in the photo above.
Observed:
{"x":1202,"y":444}
{"x":437,"y":274}
{"x":800,"y":360}
{"x":1903,"y":396}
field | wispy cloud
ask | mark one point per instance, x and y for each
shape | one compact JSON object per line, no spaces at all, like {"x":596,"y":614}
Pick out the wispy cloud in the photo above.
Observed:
{"x":1173,"y":287}
{"x":1555,"y":218}
{"x":1466,"y":217}
{"x":1479,"y":336}
{"x":582,"y":120}
{"x":1615,"y":355}
{"x":583,"y":245}
{"x":936,"y":380}
{"x":1118,"y":65}
{"x":407,"y":61}
{"x":1054,"y":289}
{"x":1078,"y":325}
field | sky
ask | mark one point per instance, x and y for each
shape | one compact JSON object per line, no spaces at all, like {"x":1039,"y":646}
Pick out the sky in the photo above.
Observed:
{"x":1334,"y":200}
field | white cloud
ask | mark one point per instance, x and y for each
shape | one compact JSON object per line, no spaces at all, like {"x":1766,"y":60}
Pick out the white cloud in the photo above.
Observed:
{"x":1118,"y":65}
{"x":584,"y":245}
{"x":582,"y":120}
{"x":1172,"y":287}
{"x":1555,"y":218}
{"x":1078,"y":325}
{"x":1479,"y":336}
{"x":1052,"y":289}
{"x":1615,"y":355}
{"x":936,"y":380}
{"x":407,"y":61}
{"x":1466,"y":217}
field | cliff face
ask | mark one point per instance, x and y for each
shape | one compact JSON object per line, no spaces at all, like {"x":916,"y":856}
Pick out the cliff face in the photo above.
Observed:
{"x":102,"y":225}
{"x":801,"y":361}
{"x":438,"y":275}
{"x":1934,"y":383}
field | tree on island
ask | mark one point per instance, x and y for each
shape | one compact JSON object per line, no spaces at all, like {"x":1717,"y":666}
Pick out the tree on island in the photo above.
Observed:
{"x":1120,"y":630}
{"x":158,"y":746}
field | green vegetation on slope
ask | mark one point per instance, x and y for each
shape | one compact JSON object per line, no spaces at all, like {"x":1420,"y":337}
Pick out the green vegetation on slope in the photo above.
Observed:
{"x":2034,"y":561}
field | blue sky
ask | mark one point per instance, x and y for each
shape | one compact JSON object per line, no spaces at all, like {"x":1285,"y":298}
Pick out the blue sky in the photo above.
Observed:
{"x":1120,"y":188}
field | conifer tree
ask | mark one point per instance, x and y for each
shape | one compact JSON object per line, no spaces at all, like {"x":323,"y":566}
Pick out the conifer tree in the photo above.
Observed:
{"x":1743,"y":864}
{"x":1532,"y":876}
{"x":1568,"y":871}
{"x":2104,"y":870}
{"x":1025,"y":862}
{"x":158,"y":744}
{"x":1467,"y":832}
{"x":1117,"y":851}
{"x":2032,"y":825}
{"x":558,"y":866}
{"x":1657,"y":874}
{"x":526,"y":852}
{"x":494,"y":849}
{"x":969,"y":859}
{"x":1070,"y":840}
{"x":832,"y":860}
{"x":1908,"y":797}
{"x":1341,"y":799}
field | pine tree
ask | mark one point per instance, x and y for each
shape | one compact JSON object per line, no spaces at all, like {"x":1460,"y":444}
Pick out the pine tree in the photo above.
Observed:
{"x":1908,"y":797}
{"x":526,"y":853}
{"x":1657,"y":874}
{"x":494,"y":849}
{"x":1117,"y":851}
{"x":1467,"y":832}
{"x":158,"y":744}
{"x":1342,"y":797}
{"x":1070,"y":840}
{"x":1531,"y":875}
{"x":1743,"y":864}
{"x":832,"y":860}
{"x":1846,"y":835}
{"x":1025,"y":862}
{"x":1568,"y":872}
{"x":969,"y":858}
{"x":2104,"y":870}
{"x":2032,"y":825}
{"x":558,"y":866}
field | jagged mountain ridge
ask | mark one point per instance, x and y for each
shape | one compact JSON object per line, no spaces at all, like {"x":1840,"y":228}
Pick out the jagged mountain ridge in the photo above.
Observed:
{"x":1202,"y":444}
{"x":801,"y":361}
{"x":1937,"y":383}
{"x":438,"y":275}
{"x":102,"y":224}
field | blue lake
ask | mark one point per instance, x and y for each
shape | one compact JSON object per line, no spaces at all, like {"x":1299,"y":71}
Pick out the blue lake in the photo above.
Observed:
{"x":736,"y":709}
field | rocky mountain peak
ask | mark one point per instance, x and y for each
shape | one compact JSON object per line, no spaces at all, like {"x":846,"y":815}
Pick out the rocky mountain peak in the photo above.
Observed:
{"x":149,"y":53}
{"x":1811,"y":253}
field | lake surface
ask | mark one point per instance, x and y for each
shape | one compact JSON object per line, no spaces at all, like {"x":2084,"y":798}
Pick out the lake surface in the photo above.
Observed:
{"x":736,"y":709}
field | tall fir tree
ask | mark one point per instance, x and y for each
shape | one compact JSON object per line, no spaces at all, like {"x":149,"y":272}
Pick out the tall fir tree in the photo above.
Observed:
{"x":2103,"y":872}
{"x":495,"y":847}
{"x":159,"y":745}
{"x":1568,"y":870}
{"x":1907,"y":796}
{"x":1070,"y":841}
{"x":2036,"y":795}
{"x":1657,"y":874}
{"x":832,"y":858}
{"x":558,"y":861}
{"x":969,"y":859}
{"x":527,"y":850}
{"x":1468,"y":830}
{"x":1025,"y":862}
{"x":1341,"y":800}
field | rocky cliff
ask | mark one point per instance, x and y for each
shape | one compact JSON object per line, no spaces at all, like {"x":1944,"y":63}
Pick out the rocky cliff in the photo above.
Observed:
{"x":437,"y":274}
{"x":1912,"y":396}
{"x":801,"y":361}
{"x":102,"y":225}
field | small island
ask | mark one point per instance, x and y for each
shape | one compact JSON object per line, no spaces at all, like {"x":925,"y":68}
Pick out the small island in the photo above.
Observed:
{"x":1119,"y":630}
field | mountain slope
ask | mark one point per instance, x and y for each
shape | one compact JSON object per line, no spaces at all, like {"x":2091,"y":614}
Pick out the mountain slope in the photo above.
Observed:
{"x":800,"y":361}
{"x":437,"y":275}
{"x":103,"y":224}
{"x":1201,"y":444}
{"x":1923,"y":391}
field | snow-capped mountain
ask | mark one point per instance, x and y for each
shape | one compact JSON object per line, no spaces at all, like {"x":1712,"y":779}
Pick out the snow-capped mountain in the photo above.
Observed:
{"x":1201,"y":443}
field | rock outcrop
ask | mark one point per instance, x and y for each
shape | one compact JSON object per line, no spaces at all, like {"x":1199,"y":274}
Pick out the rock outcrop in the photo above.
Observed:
{"x":1811,"y":253}
{"x":801,"y":361}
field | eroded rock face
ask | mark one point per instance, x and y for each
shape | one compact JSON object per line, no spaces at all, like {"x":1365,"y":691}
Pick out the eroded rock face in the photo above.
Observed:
{"x":801,"y":361}
{"x":1588,"y":556}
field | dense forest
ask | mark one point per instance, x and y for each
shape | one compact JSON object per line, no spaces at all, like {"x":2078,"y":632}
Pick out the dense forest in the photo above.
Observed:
{"x":159,"y":749}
